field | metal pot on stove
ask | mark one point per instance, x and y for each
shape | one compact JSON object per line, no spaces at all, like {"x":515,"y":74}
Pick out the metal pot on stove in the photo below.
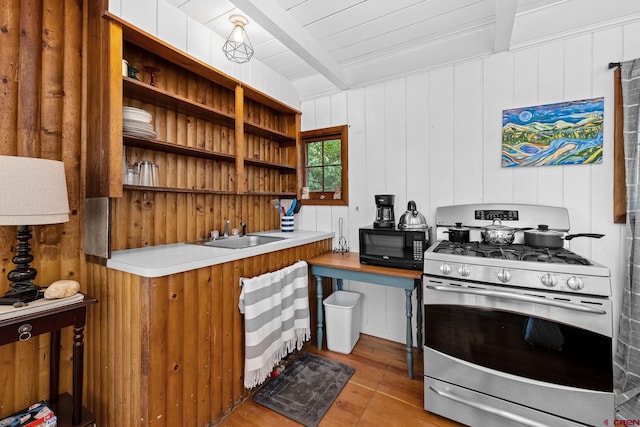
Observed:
{"x":458,"y":234}
{"x":543,"y":237}
{"x":498,"y":234}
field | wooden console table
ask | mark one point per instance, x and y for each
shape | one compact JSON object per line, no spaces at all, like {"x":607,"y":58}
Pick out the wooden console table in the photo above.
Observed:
{"x":347,"y":266}
{"x":23,"y":327}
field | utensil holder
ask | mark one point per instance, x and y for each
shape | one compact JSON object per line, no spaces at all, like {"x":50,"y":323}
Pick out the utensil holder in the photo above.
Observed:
{"x":287,"y":224}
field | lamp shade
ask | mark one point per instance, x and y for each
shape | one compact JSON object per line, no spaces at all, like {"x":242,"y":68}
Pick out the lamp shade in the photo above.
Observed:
{"x":32,"y":191}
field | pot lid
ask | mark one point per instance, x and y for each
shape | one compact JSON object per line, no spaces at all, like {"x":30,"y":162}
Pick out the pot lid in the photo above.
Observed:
{"x":543,"y":230}
{"x":496,"y":225}
{"x":458,"y":227}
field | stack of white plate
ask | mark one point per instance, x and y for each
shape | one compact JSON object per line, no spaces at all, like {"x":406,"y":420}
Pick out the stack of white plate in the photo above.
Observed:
{"x":137,"y":121}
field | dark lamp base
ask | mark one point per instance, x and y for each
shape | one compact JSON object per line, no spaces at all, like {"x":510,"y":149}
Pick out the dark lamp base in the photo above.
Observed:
{"x":22,"y":288}
{"x":21,"y":293}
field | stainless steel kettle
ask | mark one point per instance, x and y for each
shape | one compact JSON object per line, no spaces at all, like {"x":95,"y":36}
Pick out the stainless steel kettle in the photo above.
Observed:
{"x":412,"y":219}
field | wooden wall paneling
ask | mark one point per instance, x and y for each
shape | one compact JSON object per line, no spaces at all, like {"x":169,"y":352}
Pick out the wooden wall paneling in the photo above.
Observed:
{"x":53,"y":35}
{"x":121,"y":357}
{"x":9,"y":67}
{"x":177,"y":347}
{"x":159,"y":215}
{"x":29,"y":75}
{"x":36,"y":96}
{"x":237,"y":349}
{"x":202,"y":291}
{"x":220,"y":171}
{"x":158,"y":350}
{"x":92,"y":357}
{"x":228,"y":353}
{"x":72,"y":265}
{"x":182,"y":136}
{"x":216,"y":342}
{"x":146,"y":215}
{"x":192,"y":135}
{"x":110,"y":325}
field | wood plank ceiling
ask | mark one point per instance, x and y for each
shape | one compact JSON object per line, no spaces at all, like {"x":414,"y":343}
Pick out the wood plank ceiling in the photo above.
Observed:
{"x":353,"y":43}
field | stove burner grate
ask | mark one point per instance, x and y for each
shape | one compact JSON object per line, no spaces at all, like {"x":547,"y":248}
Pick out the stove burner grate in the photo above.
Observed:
{"x":517,"y":252}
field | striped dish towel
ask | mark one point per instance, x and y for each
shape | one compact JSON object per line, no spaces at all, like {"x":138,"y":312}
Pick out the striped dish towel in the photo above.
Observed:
{"x":276,"y":319}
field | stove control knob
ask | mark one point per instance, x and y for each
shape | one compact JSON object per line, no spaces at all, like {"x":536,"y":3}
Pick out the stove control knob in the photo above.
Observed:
{"x":464,"y":270}
{"x":549,"y":280}
{"x":504,"y":275}
{"x":575,"y":283}
{"x":445,"y":269}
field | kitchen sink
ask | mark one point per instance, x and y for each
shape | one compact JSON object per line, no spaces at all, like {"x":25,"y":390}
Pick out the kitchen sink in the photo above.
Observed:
{"x":239,"y":242}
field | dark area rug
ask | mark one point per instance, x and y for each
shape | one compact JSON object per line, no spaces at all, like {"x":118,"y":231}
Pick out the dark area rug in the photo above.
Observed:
{"x":305,"y":390}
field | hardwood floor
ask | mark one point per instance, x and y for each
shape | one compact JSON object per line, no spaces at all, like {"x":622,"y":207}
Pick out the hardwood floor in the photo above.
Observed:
{"x":379,"y":393}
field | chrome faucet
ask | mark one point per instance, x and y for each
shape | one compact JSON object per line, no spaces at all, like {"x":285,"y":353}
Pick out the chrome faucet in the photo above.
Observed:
{"x":226,"y":229}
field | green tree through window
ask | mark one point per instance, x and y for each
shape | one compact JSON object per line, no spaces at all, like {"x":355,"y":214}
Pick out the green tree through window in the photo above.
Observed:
{"x":325,"y":167}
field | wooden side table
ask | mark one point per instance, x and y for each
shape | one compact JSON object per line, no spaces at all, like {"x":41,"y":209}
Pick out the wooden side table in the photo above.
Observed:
{"x":23,"y":327}
{"x":347,"y":266}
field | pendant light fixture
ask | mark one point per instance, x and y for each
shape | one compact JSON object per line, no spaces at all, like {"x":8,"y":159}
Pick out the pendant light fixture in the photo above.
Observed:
{"x":238,"y":48}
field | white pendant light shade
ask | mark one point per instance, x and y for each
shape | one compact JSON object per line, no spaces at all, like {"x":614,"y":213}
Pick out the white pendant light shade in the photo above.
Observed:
{"x":238,"y":48}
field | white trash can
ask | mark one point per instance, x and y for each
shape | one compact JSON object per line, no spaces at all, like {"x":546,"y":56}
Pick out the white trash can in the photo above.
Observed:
{"x":342,"y":314}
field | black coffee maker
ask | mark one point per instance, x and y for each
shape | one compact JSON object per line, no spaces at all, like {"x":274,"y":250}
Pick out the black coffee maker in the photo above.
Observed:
{"x":385,"y":217}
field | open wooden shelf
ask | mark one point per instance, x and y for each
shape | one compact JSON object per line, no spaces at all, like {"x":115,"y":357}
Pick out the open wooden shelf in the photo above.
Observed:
{"x":283,"y":169}
{"x":280,"y":194}
{"x":167,"y":147}
{"x":150,"y":94}
{"x":176,"y":190}
{"x":263,"y":132}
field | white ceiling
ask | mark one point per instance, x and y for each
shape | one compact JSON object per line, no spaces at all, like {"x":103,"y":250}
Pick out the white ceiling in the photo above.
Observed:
{"x":353,"y":43}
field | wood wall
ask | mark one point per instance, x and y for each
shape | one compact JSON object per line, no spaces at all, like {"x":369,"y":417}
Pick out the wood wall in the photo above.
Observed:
{"x":43,"y":114}
{"x":40,"y":116}
{"x":170,"y":350}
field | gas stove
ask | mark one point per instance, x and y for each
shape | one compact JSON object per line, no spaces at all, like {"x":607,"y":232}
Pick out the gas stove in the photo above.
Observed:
{"x":516,"y":265}
{"x":515,"y":334}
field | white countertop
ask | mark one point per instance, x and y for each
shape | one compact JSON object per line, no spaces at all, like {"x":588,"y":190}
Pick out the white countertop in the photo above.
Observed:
{"x":163,"y":260}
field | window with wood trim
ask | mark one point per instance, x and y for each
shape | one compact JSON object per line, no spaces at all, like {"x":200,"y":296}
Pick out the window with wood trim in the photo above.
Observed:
{"x":325,"y":161}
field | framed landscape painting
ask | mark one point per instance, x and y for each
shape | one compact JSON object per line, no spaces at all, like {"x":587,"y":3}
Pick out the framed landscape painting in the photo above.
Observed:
{"x":566,"y":133}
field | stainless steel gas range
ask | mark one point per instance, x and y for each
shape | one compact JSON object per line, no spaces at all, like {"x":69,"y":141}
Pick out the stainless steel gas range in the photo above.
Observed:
{"x":515,"y":335}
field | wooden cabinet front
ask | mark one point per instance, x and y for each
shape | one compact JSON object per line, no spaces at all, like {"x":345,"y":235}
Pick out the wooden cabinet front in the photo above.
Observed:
{"x":169,"y":351}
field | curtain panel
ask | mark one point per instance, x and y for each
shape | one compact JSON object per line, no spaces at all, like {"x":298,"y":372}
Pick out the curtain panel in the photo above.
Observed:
{"x":627,"y":358}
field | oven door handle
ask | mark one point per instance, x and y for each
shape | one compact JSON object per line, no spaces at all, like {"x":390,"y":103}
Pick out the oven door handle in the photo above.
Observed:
{"x":519,"y":297}
{"x":486,"y":408}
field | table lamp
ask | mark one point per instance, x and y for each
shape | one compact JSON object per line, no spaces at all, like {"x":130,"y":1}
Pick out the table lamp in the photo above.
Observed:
{"x":32,"y":192}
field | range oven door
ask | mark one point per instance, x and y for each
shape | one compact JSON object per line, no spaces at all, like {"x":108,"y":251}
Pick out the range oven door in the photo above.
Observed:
{"x":541,"y":350}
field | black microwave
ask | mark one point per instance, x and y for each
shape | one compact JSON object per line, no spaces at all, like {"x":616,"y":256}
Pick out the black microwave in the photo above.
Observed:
{"x":391,"y":247}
